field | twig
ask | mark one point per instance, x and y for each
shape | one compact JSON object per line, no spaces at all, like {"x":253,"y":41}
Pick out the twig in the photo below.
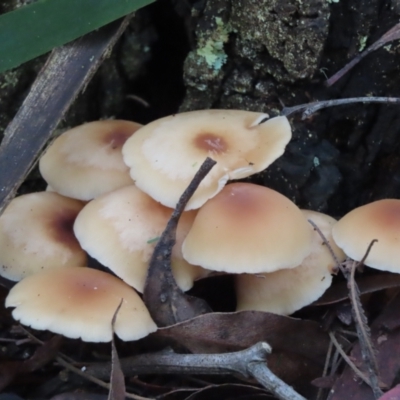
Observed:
{"x":325,"y":241}
{"x":326,"y":367}
{"x":68,"y":69}
{"x":38,"y":341}
{"x":346,"y":332}
{"x":117,"y":379}
{"x":392,"y":34}
{"x":311,"y":108}
{"x":336,"y":361}
{"x":271,"y":382}
{"x":66,"y":362}
{"x":164,"y":299}
{"x":363,"y":331}
{"x":95,"y":380}
{"x":347,"y":359}
{"x":249,"y":363}
{"x":361,"y":322}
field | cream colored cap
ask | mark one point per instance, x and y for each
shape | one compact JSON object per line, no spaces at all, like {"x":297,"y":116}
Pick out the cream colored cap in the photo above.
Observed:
{"x":36,"y":233}
{"x":164,"y":155}
{"x":120,"y":230}
{"x":86,"y":161}
{"x":288,"y":290}
{"x":378,"y":220}
{"x":80,"y":303}
{"x":248,"y":228}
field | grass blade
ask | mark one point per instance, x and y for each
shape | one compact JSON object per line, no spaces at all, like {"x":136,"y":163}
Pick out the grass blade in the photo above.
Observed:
{"x":37,"y":28}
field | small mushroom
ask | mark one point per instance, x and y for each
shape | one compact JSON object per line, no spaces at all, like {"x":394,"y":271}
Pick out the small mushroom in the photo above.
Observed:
{"x":80,"y":303}
{"x":287,"y":290}
{"x":86,"y":161}
{"x":378,"y":220}
{"x":248,"y":228}
{"x":36,"y":233}
{"x":164,"y":155}
{"x":120,"y":230}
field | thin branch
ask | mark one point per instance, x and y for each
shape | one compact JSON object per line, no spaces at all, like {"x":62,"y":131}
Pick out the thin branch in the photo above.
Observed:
{"x":347,"y":359}
{"x":311,"y":108}
{"x":164,"y":299}
{"x":95,"y":380}
{"x":390,"y":35}
{"x":361,"y":322}
{"x":66,"y":362}
{"x":325,"y":241}
{"x":249,"y":363}
{"x":363,"y":331}
{"x":326,"y":367}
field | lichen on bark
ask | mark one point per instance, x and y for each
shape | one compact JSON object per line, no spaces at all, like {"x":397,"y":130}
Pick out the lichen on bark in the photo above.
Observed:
{"x":277,"y":39}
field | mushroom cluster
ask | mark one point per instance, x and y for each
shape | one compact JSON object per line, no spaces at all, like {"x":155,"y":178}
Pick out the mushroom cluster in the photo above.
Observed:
{"x":114,"y":186}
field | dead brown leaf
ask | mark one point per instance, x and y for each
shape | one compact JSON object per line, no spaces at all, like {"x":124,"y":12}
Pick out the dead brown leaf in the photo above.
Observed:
{"x":9,"y":370}
{"x":366,"y":284}
{"x":222,"y":332}
{"x":117,"y":379}
{"x":167,"y":303}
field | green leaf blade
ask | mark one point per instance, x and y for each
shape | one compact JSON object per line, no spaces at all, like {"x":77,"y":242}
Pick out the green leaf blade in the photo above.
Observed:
{"x":37,"y":28}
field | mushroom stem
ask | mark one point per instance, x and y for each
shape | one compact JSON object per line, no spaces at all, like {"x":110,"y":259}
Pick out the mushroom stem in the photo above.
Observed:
{"x":250,"y":362}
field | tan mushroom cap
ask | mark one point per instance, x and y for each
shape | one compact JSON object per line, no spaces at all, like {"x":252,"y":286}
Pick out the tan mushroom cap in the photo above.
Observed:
{"x":378,"y":220}
{"x":164,"y":155}
{"x":288,"y":290}
{"x":80,"y":303}
{"x":36,"y":233}
{"x":86,"y":161}
{"x":120,"y":230}
{"x":248,"y":228}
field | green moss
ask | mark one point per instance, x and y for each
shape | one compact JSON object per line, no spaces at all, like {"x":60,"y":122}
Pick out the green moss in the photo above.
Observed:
{"x":9,"y":79}
{"x":212,"y":50}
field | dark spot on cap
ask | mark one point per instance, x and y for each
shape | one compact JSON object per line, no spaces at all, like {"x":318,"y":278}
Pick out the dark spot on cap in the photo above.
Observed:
{"x":116,"y":139}
{"x":388,"y":212}
{"x":61,"y":227}
{"x":211,"y":143}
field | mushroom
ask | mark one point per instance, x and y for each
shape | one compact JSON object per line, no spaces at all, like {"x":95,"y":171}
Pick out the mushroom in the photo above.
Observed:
{"x":86,"y":161}
{"x":248,"y":228}
{"x":287,"y":290}
{"x":80,"y":303}
{"x":36,"y":233}
{"x":120,"y":230}
{"x":164,"y":155}
{"x":378,"y":220}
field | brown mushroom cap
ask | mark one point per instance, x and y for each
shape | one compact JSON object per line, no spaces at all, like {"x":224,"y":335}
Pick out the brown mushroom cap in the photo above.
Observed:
{"x":288,"y":290}
{"x":164,"y":155}
{"x":80,"y":303}
{"x":378,"y":220}
{"x":36,"y":233}
{"x":120,"y":230}
{"x":248,"y":228}
{"x":86,"y":161}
